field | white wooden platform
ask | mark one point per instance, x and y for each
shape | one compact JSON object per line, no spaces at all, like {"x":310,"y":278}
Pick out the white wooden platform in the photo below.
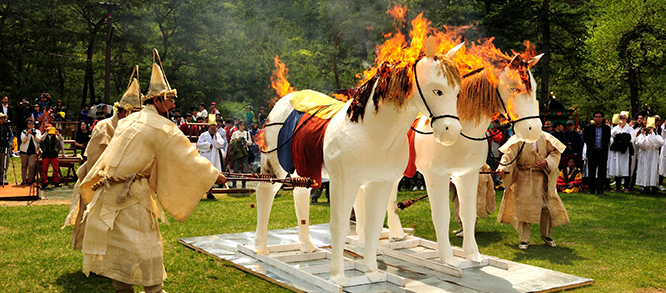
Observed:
{"x":411,"y":265}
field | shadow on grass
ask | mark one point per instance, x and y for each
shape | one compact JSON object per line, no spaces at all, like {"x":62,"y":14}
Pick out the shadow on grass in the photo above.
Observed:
{"x":78,"y":282}
{"x":540,"y":251}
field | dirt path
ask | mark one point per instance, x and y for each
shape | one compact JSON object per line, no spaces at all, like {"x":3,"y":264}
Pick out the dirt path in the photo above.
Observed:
{"x":41,"y":202}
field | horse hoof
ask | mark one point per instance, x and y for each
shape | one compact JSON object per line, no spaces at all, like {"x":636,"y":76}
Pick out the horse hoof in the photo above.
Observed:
{"x":397,"y":236}
{"x":452,"y":261}
{"x":475,"y":257}
{"x":340,"y":279}
{"x":307,"y":247}
{"x":375,"y":277}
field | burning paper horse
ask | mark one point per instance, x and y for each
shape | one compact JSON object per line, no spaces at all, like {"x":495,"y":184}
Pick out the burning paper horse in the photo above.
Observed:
{"x":362,"y":146}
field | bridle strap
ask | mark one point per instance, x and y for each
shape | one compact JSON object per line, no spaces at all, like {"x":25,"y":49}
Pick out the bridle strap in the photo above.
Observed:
{"x":431,"y":116}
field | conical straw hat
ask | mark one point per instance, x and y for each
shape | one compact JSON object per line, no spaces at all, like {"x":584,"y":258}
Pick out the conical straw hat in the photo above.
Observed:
{"x":159,"y":85}
{"x":131,"y":100}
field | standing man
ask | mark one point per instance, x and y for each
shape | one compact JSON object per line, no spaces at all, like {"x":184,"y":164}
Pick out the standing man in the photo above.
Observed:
{"x":148,"y":165}
{"x":621,"y":151}
{"x":23,"y":112}
{"x":558,"y":132}
{"x":210,"y":143}
{"x":99,"y":139}
{"x":249,"y":115}
{"x":530,"y":194}
{"x":6,"y":109}
{"x":6,"y":138}
{"x":597,"y":137}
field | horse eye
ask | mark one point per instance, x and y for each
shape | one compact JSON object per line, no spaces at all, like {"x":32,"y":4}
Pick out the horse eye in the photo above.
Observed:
{"x":517,"y":90}
{"x":438,"y":92}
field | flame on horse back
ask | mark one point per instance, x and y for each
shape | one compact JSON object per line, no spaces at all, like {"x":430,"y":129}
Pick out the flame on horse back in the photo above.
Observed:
{"x":279,"y":81}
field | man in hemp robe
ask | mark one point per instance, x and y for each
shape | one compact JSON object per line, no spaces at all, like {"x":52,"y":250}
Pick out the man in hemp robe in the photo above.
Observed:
{"x":148,"y":165}
{"x":530,"y":194}
{"x":99,"y":140}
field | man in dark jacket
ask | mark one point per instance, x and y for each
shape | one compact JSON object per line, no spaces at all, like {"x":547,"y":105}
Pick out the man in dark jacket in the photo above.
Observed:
{"x":597,"y":138}
{"x":6,"y":137}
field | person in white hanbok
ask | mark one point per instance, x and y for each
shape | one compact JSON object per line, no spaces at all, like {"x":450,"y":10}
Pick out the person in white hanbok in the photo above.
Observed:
{"x":648,"y":144}
{"x":619,"y":160}
{"x":211,"y":145}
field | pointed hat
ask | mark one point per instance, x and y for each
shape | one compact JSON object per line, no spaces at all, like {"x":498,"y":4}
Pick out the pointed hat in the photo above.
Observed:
{"x":159,"y":85}
{"x":131,"y":100}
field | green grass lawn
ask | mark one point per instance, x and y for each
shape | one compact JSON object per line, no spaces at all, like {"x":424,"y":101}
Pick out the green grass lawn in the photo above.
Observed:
{"x":618,"y":240}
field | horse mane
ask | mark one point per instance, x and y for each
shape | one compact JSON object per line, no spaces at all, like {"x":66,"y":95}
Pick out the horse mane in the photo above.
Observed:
{"x":478,"y":97}
{"x":394,"y":85}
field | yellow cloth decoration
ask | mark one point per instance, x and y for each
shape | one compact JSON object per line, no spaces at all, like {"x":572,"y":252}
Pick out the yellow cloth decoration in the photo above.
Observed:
{"x":309,"y":101}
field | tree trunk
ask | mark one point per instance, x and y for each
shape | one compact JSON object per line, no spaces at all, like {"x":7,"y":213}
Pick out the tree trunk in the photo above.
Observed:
{"x":335,"y":61}
{"x":632,"y":79}
{"x":544,"y":20}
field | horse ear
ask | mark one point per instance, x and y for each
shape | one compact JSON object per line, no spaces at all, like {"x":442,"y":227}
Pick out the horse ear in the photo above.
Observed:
{"x":534,"y":60}
{"x":454,"y":50}
{"x":431,"y":47}
{"x":515,"y":62}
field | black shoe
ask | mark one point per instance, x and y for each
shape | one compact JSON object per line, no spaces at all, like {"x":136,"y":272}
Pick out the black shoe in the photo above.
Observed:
{"x":24,"y":182}
{"x":549,"y":241}
{"x":57,"y":185}
{"x":44,"y":185}
{"x":210,"y":196}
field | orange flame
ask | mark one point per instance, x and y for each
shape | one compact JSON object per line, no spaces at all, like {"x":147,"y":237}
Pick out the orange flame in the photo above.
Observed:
{"x":341,"y":97}
{"x":279,"y":81}
{"x":259,"y":139}
{"x":475,"y":55}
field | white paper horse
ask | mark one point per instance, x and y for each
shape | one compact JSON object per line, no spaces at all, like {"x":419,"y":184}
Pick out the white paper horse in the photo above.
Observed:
{"x":365,"y":149}
{"x":478,"y":102}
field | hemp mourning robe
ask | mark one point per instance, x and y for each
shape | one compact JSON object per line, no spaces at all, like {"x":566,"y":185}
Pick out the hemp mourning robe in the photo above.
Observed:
{"x":99,"y":139}
{"x":527,"y":190}
{"x":648,"y":161}
{"x":213,"y":154}
{"x":122,"y":239}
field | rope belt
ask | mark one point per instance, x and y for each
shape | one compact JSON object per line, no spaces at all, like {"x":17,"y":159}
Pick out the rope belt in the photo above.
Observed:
{"x":529,"y":167}
{"x":106,"y":179}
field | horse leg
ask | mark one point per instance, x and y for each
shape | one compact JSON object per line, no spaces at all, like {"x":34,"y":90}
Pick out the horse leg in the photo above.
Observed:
{"x":395,"y":227}
{"x":376,"y":195}
{"x":438,"y":195}
{"x":343,"y":193}
{"x":359,"y":211}
{"x":467,"y":190}
{"x":302,"y":206}
{"x":265,"y":195}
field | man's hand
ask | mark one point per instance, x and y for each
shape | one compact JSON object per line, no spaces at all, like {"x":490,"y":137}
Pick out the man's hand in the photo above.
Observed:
{"x":211,"y":146}
{"x":221,"y":179}
{"x":501,"y":171}
{"x":541,"y":164}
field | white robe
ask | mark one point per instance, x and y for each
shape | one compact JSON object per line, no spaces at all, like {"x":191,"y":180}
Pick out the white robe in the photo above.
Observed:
{"x":648,"y":161}
{"x":618,"y":162}
{"x":223,"y":134}
{"x":210,"y":148}
{"x":662,"y":155}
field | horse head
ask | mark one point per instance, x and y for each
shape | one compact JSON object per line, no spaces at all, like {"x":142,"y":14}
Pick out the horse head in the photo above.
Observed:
{"x":437,"y":85}
{"x":517,"y":90}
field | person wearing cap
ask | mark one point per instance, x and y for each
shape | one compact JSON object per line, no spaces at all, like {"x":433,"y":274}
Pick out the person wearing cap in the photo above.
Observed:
{"x":547,"y":126}
{"x":178,"y":119}
{"x":648,"y":144}
{"x":202,"y":111}
{"x":98,"y":140}
{"x":148,"y":167}
{"x":597,"y":137}
{"x":29,"y":150}
{"x":50,"y":150}
{"x":211,"y":145}
{"x":621,"y":151}
{"x":6,"y":138}
{"x":214,"y":110}
{"x":574,"y":139}
{"x":530,"y":193}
